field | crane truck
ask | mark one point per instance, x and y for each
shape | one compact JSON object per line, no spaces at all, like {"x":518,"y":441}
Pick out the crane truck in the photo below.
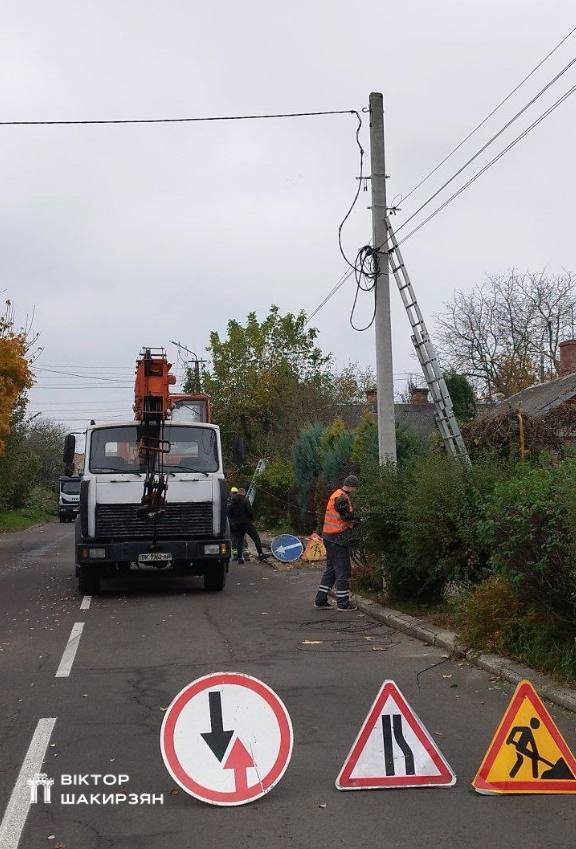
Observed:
{"x":153,"y":496}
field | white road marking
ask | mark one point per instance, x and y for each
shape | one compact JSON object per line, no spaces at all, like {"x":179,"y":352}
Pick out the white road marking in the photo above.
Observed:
{"x":85,"y":604}
{"x":14,"y":818}
{"x":69,"y":654}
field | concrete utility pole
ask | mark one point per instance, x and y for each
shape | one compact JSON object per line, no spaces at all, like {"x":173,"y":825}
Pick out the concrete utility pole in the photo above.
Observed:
{"x":382,"y":324}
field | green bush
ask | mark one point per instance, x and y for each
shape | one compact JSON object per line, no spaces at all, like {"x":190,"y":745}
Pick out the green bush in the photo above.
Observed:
{"x":530,"y":530}
{"x":42,"y":499}
{"x":423,"y":517}
{"x":274,"y":494}
{"x":306,"y":461}
{"x":494,"y":617}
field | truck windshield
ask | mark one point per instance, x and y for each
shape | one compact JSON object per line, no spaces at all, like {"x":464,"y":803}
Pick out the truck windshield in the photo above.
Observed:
{"x":115,"y":449}
{"x":70,"y":487}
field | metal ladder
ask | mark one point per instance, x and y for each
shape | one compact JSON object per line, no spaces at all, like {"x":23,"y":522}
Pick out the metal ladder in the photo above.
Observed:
{"x":445,"y":418}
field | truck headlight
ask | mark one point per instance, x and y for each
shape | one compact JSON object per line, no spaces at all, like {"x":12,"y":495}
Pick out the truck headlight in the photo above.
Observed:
{"x":212,"y":548}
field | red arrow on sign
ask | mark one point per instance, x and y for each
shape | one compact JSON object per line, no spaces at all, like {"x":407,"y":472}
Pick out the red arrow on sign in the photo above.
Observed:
{"x":240,"y":760}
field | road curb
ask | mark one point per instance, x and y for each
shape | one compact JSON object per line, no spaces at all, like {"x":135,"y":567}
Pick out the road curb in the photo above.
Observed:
{"x":502,"y":667}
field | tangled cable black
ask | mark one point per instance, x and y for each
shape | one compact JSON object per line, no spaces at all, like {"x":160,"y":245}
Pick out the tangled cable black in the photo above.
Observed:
{"x":366,"y":270}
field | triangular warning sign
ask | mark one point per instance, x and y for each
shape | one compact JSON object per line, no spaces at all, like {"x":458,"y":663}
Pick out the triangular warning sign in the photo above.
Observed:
{"x":528,"y":754}
{"x":393,"y":749}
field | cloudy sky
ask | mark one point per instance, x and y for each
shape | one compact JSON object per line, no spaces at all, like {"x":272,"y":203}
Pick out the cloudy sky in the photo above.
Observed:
{"x":120,"y":236}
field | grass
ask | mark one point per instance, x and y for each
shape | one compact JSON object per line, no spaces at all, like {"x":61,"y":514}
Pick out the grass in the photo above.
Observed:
{"x":25,"y":517}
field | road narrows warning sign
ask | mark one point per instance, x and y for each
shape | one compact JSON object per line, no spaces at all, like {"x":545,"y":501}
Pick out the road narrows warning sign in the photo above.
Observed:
{"x":393,"y":749}
{"x":527,"y":754}
{"x":226,"y":739}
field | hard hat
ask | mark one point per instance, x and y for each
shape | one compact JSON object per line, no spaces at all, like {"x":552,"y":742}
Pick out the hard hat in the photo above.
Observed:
{"x":233,"y":489}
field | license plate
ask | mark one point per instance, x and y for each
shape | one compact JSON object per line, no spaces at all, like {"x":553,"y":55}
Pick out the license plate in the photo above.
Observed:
{"x":155,"y":557}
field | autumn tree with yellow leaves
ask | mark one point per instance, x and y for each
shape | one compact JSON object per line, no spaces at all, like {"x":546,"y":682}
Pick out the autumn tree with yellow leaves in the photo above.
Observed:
{"x":15,"y":372}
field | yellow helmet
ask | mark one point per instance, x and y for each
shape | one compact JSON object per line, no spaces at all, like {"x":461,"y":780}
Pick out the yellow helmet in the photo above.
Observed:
{"x":233,"y":489}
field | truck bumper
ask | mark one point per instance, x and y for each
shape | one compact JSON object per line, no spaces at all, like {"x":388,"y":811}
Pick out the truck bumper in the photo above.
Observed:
{"x":194,"y":556}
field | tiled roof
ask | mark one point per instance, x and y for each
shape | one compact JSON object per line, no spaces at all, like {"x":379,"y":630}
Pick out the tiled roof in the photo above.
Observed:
{"x":539,"y":399}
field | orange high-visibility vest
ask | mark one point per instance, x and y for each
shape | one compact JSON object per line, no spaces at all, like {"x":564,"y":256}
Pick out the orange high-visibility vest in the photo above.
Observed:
{"x":333,"y":521}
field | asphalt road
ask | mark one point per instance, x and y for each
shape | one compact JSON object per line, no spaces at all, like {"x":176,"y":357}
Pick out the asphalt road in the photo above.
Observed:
{"x":141,"y":643}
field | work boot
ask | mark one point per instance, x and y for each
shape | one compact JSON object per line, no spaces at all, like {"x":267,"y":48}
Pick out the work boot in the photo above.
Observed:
{"x":348,"y":606}
{"x":323,"y":605}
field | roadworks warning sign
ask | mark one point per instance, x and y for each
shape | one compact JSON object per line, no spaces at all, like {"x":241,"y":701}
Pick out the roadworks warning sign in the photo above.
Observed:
{"x":528,"y":754}
{"x":393,"y":749}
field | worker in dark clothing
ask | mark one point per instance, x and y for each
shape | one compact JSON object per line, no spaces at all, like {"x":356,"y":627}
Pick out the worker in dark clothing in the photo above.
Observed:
{"x":241,"y":518}
{"x":337,"y":534}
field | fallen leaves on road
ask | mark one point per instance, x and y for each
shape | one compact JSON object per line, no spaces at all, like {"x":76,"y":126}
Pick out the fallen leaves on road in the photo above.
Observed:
{"x":312,"y":642}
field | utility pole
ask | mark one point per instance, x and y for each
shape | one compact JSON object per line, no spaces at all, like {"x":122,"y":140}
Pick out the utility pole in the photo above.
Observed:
{"x":197,"y":364}
{"x":382,"y":323}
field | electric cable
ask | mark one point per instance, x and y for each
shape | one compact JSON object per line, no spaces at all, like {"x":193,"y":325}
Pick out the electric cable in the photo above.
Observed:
{"x":179,"y":120}
{"x":488,"y":143}
{"x":330,"y":294}
{"x":493,"y":161}
{"x":356,"y":196}
{"x":75,"y":374}
{"x":478,"y":126}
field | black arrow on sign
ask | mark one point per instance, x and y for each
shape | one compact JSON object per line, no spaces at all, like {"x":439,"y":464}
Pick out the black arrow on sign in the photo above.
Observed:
{"x":217,"y":738}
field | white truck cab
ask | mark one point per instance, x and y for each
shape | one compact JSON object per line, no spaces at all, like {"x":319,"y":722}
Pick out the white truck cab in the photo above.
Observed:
{"x":68,"y":497}
{"x":188,"y":535}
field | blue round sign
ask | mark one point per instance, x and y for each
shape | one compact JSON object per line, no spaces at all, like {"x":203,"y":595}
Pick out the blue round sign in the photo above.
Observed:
{"x":286,"y":548}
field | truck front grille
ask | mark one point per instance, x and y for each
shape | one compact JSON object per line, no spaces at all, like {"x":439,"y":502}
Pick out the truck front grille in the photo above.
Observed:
{"x":178,"y":521}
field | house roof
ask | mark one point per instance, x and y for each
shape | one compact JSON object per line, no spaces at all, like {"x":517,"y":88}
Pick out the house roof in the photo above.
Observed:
{"x":419,"y":419}
{"x":539,"y":399}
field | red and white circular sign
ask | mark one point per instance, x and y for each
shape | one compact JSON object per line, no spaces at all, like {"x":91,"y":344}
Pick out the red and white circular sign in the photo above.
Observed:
{"x":226,"y":739}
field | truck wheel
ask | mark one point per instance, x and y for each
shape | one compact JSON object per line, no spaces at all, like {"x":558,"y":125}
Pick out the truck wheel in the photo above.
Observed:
{"x":61,"y":519}
{"x":215,"y":579}
{"x":88,"y":581}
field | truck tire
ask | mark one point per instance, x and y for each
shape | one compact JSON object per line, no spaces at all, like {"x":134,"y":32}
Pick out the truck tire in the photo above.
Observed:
{"x":215,"y":579}
{"x":88,"y":581}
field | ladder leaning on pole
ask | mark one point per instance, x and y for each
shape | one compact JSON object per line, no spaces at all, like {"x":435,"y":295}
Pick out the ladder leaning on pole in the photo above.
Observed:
{"x":445,"y":418}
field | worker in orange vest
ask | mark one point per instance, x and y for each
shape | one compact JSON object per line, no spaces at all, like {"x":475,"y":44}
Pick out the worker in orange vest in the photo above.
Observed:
{"x":339,"y":520}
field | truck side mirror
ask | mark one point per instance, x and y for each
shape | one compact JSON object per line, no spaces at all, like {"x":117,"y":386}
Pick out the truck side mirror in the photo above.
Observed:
{"x":69,"y":452}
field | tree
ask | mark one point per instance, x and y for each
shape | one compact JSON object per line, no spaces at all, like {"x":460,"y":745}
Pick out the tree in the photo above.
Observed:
{"x":462,"y":395}
{"x":45,"y":439}
{"x":261,"y":374}
{"x":505,"y":332}
{"x":15,"y":373}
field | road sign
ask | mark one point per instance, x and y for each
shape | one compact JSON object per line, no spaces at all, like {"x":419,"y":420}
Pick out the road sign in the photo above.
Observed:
{"x":286,"y":548}
{"x":226,"y":739}
{"x":528,"y":754}
{"x":393,"y":749}
{"x":315,"y":549}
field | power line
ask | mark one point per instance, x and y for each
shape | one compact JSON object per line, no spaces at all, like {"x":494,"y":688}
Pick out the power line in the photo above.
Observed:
{"x":180,"y":120}
{"x":456,"y":194}
{"x":330,"y":294}
{"x":487,"y":144}
{"x":78,"y":386}
{"x":75,"y":374}
{"x":493,"y":161}
{"x":490,"y":114}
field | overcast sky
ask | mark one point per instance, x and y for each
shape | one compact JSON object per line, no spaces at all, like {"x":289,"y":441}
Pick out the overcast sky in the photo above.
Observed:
{"x":120,"y":236}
